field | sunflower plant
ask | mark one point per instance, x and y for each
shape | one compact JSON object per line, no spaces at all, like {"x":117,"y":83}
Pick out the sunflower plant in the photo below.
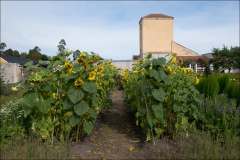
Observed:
{"x":64,"y":99}
{"x":162,"y":95}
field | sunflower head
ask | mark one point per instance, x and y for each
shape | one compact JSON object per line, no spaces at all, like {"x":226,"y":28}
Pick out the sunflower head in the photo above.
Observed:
{"x":169,"y":68}
{"x":181,"y":61}
{"x":184,"y":70}
{"x":78,"y":82}
{"x":99,"y":70}
{"x":68,"y":65}
{"x":92,"y":76}
{"x":197,"y":80}
{"x":83,"y":54}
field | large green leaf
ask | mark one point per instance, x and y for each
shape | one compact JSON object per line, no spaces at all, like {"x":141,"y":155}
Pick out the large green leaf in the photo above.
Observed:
{"x":28,"y":64}
{"x":94,"y":99}
{"x":159,"y":94}
{"x":92,"y":113}
{"x":74,"y":120}
{"x":26,"y":110}
{"x":44,"y":105}
{"x":81,"y":108}
{"x":67,"y":103}
{"x":158,"y":112}
{"x":29,"y":98}
{"x":71,"y":76}
{"x":159,"y":61}
{"x":90,"y":87}
{"x":150,"y":120}
{"x":158,"y":74}
{"x":88,"y":126}
{"x":145,"y":65}
{"x":75,"y":95}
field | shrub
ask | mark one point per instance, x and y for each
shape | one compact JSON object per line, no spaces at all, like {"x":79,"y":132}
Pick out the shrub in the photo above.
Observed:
{"x":219,"y":114}
{"x":209,"y":86}
{"x":233,"y":90}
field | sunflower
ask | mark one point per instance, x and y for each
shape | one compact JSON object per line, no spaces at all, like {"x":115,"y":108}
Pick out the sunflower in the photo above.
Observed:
{"x":68,"y":65}
{"x":92,"y":76}
{"x":83,"y":54}
{"x":80,"y":60}
{"x":54,"y":95}
{"x":184,"y":70}
{"x":181,"y":61}
{"x":78,"y":82}
{"x":125,"y":71}
{"x":173,"y":60}
{"x":197,"y":80}
{"x":169,"y":68}
{"x":100,"y":69}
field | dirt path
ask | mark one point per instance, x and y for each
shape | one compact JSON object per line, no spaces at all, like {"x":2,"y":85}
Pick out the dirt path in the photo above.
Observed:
{"x":114,"y":135}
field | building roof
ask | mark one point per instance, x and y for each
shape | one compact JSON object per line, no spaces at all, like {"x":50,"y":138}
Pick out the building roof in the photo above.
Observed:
{"x":194,"y":58}
{"x":14,"y":59}
{"x":157,"y":16}
{"x":208,"y":55}
{"x":135,"y":57}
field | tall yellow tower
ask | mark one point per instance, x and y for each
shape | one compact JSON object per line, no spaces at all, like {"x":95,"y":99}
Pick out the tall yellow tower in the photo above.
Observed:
{"x":156,"y":36}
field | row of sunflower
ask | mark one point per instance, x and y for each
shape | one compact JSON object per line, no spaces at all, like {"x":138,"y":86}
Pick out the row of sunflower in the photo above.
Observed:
{"x":64,"y":99}
{"x":162,"y":95}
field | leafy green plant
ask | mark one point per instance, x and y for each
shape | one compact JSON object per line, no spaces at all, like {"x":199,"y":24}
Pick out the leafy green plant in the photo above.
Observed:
{"x":64,"y":99}
{"x":162,"y":95}
{"x":208,"y":86}
{"x":219,"y":115}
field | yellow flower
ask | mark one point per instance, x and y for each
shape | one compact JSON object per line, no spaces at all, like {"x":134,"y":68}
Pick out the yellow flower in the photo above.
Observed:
{"x":197,"y":80}
{"x":169,"y":68}
{"x":181,"y":61}
{"x":175,"y":55}
{"x":14,"y":89}
{"x":131,"y":148}
{"x":78,"y":82}
{"x":68,"y":65}
{"x":100,"y":69}
{"x":125,"y":71}
{"x":83,"y":54}
{"x":173,"y":60}
{"x":80,"y":60}
{"x":92,"y":76}
{"x":201,"y":75}
{"x":184,"y":70}
{"x":54,"y":95}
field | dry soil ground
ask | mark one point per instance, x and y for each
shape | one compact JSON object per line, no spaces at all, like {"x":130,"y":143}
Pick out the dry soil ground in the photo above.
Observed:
{"x":116,"y":137}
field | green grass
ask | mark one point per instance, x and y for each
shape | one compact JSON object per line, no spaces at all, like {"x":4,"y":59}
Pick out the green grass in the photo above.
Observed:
{"x":202,"y":145}
{"x":33,"y":148}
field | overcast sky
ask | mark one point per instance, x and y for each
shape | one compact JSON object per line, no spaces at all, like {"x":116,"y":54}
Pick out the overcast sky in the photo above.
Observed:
{"x":111,"y":28}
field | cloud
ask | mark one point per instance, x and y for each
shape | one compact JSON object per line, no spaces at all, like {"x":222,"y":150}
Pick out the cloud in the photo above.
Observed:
{"x":111,"y":28}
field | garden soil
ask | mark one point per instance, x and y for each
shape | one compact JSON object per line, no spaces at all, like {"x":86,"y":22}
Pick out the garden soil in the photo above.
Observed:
{"x":116,"y":136}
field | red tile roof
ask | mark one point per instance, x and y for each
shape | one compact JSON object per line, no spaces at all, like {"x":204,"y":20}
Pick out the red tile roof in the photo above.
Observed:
{"x":193,"y":58}
{"x":157,"y":16}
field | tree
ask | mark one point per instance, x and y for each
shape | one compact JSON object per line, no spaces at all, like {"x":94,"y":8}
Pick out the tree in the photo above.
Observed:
{"x":34,"y":53}
{"x":16,"y":53}
{"x":23,"y":55}
{"x":205,"y":64}
{"x":8,"y":52}
{"x":3,"y":46}
{"x":44,"y":57}
{"x":61,"y":47}
{"x":225,"y":58}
